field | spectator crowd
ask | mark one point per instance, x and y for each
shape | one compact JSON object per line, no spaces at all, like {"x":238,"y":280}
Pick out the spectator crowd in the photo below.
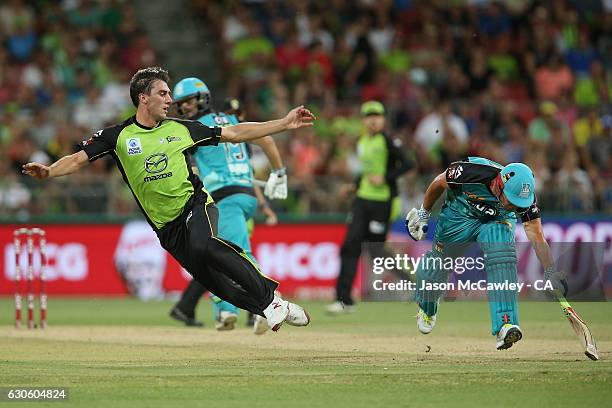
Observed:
{"x":512,"y":81}
{"x":64,"y":72}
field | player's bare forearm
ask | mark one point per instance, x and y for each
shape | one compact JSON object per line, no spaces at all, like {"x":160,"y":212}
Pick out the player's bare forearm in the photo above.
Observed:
{"x":535,"y":234}
{"x":434,"y":191}
{"x":247,"y":131}
{"x":69,"y":164}
{"x":261,"y":200}
{"x":64,"y":166}
{"x":269,"y":147}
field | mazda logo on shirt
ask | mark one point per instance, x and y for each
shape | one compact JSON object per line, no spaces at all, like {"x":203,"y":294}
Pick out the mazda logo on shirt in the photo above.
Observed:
{"x":156,"y":163}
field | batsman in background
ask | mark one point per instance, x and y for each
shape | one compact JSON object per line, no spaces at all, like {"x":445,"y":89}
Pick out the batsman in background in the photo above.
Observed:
{"x":227,"y":173}
{"x":483,"y":201}
{"x":382,"y":162}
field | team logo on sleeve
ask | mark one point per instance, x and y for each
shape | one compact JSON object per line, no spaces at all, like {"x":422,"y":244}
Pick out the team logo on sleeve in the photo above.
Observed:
{"x":91,"y":139}
{"x":454,"y":172}
{"x":133,"y":146}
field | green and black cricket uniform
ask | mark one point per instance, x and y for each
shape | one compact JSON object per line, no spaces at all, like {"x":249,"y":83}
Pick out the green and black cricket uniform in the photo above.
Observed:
{"x":155,"y":165}
{"x":371,"y":210}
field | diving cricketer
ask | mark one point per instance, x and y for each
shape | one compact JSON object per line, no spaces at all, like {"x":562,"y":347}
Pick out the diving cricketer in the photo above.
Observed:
{"x":150,"y":151}
{"x":228,"y":175}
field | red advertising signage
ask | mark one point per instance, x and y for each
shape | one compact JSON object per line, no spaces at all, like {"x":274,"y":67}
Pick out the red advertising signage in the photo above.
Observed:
{"x":304,"y":258}
{"x":119,"y":259}
{"x":122,"y":259}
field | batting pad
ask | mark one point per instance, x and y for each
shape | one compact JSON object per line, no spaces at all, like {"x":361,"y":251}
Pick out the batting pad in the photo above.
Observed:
{"x":500,"y":264}
{"x":428,"y":299}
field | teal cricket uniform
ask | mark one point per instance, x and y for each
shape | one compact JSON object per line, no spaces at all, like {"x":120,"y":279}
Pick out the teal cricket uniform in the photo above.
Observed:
{"x":472,"y":213}
{"x":226,"y":172}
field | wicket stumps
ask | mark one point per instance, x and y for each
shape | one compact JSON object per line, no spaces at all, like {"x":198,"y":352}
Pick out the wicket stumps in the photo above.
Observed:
{"x":31,"y":236}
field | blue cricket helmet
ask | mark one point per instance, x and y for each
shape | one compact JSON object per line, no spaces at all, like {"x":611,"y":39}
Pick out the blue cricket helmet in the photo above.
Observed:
{"x":519,"y":184}
{"x":189,"y":88}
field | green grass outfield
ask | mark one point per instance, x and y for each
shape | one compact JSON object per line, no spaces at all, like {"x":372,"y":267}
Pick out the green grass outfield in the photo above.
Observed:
{"x":119,"y":352}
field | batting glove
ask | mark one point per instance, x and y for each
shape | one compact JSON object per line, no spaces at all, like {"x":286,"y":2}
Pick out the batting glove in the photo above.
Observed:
{"x":558,"y":280}
{"x":276,"y":186}
{"x":416,"y":223}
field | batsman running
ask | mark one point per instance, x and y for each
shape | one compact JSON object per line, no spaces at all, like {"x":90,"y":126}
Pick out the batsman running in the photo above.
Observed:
{"x":483,"y":203}
{"x":150,"y":151}
{"x":227,"y":173}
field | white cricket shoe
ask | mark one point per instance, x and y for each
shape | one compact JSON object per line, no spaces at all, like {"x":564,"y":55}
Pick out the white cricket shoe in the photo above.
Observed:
{"x":338,"y":308}
{"x":297,"y":315}
{"x":261,"y":325}
{"x":276,"y":313}
{"x":227,"y":321}
{"x":425,"y":323}
{"x":280,"y":311}
{"x":508,"y":335}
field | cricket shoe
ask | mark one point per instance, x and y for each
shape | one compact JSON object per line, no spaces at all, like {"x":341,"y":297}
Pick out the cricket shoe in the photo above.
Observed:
{"x":280,"y":311}
{"x":338,"y":308}
{"x":508,"y":335}
{"x":178,"y":314}
{"x":227,"y":321}
{"x":260,"y":326}
{"x":297,"y":316}
{"x":425,"y":323}
{"x":276,"y":313}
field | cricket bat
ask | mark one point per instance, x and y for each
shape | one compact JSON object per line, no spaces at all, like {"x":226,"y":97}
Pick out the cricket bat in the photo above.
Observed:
{"x":580,"y":327}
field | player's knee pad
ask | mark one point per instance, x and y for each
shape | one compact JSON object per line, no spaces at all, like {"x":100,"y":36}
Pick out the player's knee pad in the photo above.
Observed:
{"x":432,"y":267}
{"x":500,"y":261}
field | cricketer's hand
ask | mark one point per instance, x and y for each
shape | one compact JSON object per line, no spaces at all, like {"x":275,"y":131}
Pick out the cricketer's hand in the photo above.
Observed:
{"x":36,"y":170}
{"x":416,"y":223}
{"x":276,"y":186}
{"x":558,"y":280}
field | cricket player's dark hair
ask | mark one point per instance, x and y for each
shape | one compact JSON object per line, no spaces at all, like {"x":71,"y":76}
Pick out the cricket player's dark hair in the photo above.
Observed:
{"x":142,"y":81}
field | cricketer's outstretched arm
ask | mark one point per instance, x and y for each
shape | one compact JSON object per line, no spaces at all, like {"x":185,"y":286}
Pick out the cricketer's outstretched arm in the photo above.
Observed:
{"x":434,"y":191}
{"x":535,"y":234}
{"x":244,"y":132}
{"x":66,"y":165}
